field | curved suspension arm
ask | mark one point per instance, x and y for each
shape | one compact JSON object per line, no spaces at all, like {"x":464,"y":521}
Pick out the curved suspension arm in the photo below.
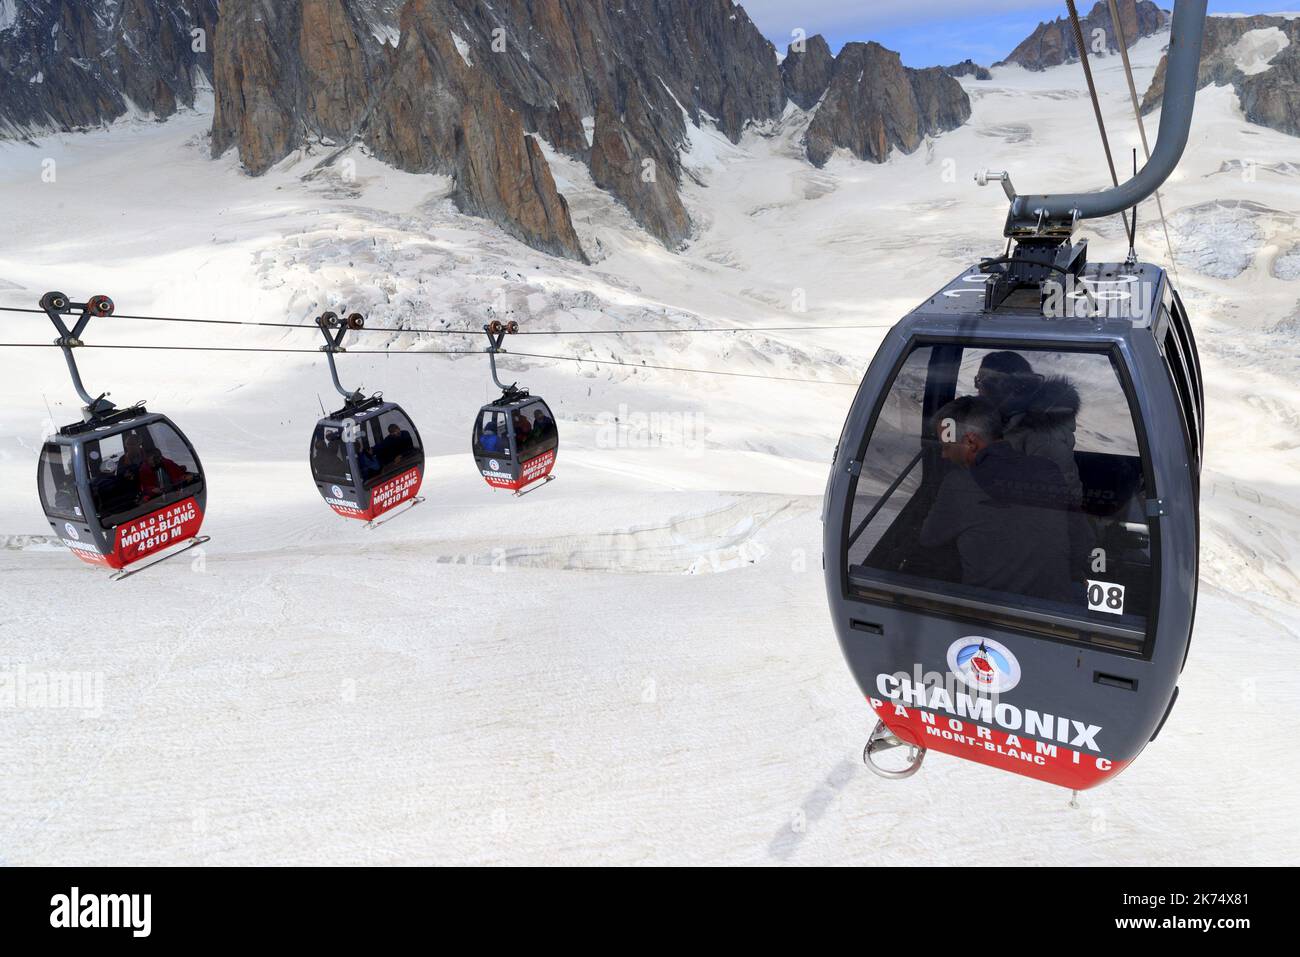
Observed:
{"x":56,"y":305}
{"x":492,"y":358}
{"x":334,"y":329}
{"x":496,"y":334}
{"x":1181,"y":80}
{"x":76,"y":376}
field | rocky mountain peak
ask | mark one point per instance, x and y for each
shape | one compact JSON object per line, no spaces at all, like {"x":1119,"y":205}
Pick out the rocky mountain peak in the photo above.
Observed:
{"x":613,"y":83}
{"x":1052,"y":44}
{"x":872,"y":103}
{"x":807,"y":70}
{"x":1259,"y":57}
{"x":70,"y":65}
{"x":478,"y":92}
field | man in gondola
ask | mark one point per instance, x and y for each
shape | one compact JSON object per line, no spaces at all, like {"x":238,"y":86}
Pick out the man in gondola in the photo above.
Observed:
{"x":396,"y":444}
{"x":489,"y":441}
{"x":1039,"y":413}
{"x":330,"y":458}
{"x":367,"y":459}
{"x":523,"y":428}
{"x":160,"y":474}
{"x":1004,"y":511}
{"x":128,"y":466}
{"x":542,"y":424}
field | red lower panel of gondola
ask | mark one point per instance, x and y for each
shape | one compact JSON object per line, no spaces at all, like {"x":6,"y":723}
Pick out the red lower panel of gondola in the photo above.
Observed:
{"x":156,"y":531}
{"x":394,"y":492}
{"x":534,"y":470}
{"x":142,"y":537}
{"x":1048,"y":761}
{"x":383,"y":498}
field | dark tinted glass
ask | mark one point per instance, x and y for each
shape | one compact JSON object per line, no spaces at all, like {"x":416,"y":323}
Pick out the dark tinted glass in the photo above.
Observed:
{"x":396,"y":446}
{"x":535,"y":429}
{"x":491,"y":434}
{"x":58,"y":483}
{"x":138,"y":471}
{"x":1026,"y":492}
{"x":329,"y":456}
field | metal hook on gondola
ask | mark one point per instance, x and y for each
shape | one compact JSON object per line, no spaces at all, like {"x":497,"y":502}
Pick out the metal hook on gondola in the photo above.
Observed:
{"x":497,"y":331}
{"x":881,"y":740}
{"x":57,"y":305}
{"x":335,"y":329}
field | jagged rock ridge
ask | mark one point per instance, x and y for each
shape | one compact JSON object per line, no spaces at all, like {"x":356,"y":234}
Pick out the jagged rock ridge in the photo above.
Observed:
{"x":70,"y":65}
{"x":467,"y":89}
{"x":1270,"y":91}
{"x":970,"y":68}
{"x":1052,"y":44}
{"x":807,"y":70}
{"x":869,"y":102}
{"x":610,"y":82}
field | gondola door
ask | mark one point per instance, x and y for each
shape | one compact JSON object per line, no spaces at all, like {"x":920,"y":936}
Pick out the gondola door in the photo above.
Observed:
{"x":535,"y":442}
{"x":391,"y":461}
{"x":336,"y":471}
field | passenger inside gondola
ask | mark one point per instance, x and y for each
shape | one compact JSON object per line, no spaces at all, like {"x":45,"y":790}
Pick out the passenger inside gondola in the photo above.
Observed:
{"x":396,"y":445}
{"x":490,"y":441}
{"x":160,"y":475}
{"x":368,"y":460}
{"x":330,"y":458}
{"x":128,"y":466}
{"x":523,"y":428}
{"x":1039,"y":413}
{"x":1005,"y":511}
{"x":543,"y":424}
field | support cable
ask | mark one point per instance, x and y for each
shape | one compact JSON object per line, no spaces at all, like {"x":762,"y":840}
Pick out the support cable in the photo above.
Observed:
{"x":1096,"y":103}
{"x":1122,"y":40}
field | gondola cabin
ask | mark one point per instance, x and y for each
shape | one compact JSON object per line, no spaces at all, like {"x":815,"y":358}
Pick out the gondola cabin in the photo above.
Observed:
{"x":367,"y":459}
{"x":1011,"y":524}
{"x":124,"y":487}
{"x":515,"y":442}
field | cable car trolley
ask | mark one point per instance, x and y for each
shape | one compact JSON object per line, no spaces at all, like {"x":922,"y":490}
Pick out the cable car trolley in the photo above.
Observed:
{"x":123,"y":488}
{"x":366,"y":458}
{"x":515,"y":438}
{"x":1012,"y":521}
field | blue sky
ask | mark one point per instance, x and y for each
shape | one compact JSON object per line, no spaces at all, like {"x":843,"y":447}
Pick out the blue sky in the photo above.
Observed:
{"x":935,"y":32}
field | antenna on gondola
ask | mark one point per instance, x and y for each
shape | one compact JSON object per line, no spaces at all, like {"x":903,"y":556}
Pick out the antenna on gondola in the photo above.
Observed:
{"x":1133,"y":223}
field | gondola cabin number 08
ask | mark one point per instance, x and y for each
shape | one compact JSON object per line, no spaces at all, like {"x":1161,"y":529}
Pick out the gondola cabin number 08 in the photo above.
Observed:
{"x":1012,"y":521}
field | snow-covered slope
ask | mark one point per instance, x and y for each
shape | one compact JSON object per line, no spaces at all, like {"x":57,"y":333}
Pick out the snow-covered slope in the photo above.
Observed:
{"x":635,"y":664}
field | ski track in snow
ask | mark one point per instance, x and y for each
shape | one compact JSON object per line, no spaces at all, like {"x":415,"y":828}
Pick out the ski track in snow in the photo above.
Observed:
{"x":634,"y":665}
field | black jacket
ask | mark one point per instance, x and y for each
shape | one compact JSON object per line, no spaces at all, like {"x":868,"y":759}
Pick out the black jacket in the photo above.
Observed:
{"x":1042,"y":424}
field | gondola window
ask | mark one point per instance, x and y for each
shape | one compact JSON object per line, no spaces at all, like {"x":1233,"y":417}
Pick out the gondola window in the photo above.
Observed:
{"x":1006,"y":477}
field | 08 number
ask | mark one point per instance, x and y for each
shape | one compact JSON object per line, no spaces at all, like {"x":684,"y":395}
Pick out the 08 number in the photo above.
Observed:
{"x":1106,"y":597}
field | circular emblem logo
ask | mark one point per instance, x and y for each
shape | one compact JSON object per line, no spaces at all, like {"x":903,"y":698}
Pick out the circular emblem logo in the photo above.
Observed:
{"x":494,"y":465}
{"x":72,"y":531}
{"x":983,"y":664}
{"x":336,"y":492}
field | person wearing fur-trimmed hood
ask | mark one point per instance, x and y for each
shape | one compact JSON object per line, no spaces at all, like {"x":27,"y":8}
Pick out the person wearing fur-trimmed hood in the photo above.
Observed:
{"x":1039,"y":413}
